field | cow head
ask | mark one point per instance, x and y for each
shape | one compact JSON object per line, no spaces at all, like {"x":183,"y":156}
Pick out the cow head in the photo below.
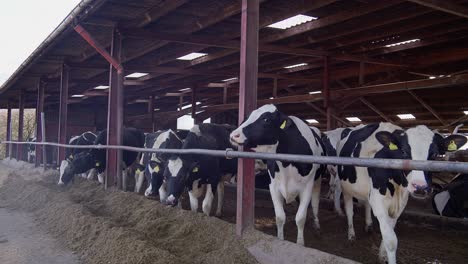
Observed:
{"x":422,"y":144}
{"x":177,"y":173}
{"x":156,"y":172}
{"x":81,"y":163}
{"x":262,"y":129}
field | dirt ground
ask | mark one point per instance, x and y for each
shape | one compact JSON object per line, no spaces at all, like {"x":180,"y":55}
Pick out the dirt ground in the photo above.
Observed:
{"x":116,"y":227}
{"x":418,"y":242}
{"x":23,"y":241}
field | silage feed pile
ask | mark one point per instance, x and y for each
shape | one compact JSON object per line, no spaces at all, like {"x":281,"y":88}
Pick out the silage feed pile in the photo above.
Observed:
{"x":117,"y":227}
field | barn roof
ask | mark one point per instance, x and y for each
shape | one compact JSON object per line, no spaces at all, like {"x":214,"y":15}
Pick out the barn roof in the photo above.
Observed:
{"x":385,"y":57}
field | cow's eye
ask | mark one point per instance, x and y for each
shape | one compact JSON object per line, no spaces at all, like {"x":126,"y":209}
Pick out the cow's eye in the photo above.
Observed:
{"x":266,"y":120}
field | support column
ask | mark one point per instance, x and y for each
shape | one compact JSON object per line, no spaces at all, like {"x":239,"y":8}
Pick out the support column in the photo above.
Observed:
{"x":8,"y":132}
{"x":115,"y":117}
{"x":63,"y":112}
{"x":19,"y":147}
{"x":247,"y":103}
{"x":39,"y":110}
{"x":151,"y":112}
{"x":275,"y":87}
{"x":326,"y":93}
{"x":194,"y":104}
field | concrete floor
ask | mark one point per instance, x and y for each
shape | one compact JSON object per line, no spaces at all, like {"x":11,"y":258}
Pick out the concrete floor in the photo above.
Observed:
{"x":23,"y":242}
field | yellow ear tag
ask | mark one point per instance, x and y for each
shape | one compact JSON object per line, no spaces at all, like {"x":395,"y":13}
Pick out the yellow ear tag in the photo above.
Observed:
{"x":138,"y":170}
{"x":392,"y":146}
{"x":156,"y":169}
{"x":195,"y":169}
{"x":97,"y":164}
{"x":452,"y":146}
{"x":283,"y":125}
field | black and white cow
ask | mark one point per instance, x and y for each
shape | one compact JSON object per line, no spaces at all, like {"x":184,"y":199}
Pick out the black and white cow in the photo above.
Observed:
{"x":158,"y":162}
{"x":142,"y":172}
{"x":330,"y":141}
{"x":87,"y":138}
{"x":269,"y":130}
{"x":32,"y":150}
{"x":196,"y":172}
{"x":96,"y":158}
{"x":386,"y":191}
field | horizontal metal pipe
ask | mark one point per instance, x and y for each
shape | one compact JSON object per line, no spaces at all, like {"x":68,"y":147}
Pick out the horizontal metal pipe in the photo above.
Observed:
{"x":398,"y":164}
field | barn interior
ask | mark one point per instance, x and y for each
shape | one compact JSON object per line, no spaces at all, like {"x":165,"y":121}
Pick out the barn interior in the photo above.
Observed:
{"x":332,"y":63}
{"x":373,"y":60}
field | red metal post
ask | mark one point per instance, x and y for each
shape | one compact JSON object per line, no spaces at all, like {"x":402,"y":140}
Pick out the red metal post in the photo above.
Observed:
{"x":63,"y":112}
{"x":39,"y":110}
{"x":115,"y":116}
{"x":8,"y":132}
{"x":247,"y":103}
{"x":19,"y":147}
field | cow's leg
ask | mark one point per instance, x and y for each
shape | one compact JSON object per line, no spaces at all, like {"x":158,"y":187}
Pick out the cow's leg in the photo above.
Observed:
{"x":316,"y":201}
{"x":139,"y":179}
{"x":124,"y":177}
{"x":337,"y":197}
{"x":162,"y":192}
{"x":208,"y":201}
{"x":220,"y":193}
{"x":193,"y":201}
{"x":91,"y":174}
{"x":277,"y":199}
{"x":301,"y":214}
{"x":348,"y":203}
{"x":101,"y":177}
{"x":389,"y":243}
{"x":368,"y":217}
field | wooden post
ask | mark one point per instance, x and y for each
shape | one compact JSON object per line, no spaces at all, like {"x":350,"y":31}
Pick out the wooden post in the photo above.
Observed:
{"x":19,"y":147}
{"x":39,"y":110}
{"x":8,"y":132}
{"x":275,"y":87}
{"x":151,"y":112}
{"x":247,"y":103}
{"x":63,"y":112}
{"x":225,"y":93}
{"x":326,"y":93}
{"x":194,"y":104}
{"x":115,"y":117}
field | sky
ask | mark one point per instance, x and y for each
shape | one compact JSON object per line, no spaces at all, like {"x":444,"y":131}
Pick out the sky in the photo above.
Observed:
{"x":24,"y":24}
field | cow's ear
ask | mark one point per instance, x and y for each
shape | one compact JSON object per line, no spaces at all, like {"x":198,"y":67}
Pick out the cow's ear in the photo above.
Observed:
{"x":387,"y":140}
{"x":454,"y":142}
{"x":286,"y":122}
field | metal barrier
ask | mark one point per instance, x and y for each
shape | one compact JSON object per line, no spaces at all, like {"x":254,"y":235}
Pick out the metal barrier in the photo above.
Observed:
{"x":399,"y":164}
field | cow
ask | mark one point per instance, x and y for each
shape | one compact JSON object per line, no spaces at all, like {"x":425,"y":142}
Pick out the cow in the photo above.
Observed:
{"x":330,"y":140}
{"x":195,"y":172}
{"x":268,"y":130}
{"x":452,"y":200}
{"x":87,"y":138}
{"x":158,"y":162}
{"x":385,"y":191}
{"x":32,"y":150}
{"x":96,"y":158}
{"x":141,"y":172}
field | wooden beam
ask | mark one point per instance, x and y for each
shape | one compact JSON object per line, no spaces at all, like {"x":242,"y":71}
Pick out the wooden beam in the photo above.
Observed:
{"x":428,"y":107}
{"x":330,"y":20}
{"x":19,"y":147}
{"x":446,"y":6}
{"x":159,"y":10}
{"x":39,"y":109}
{"x":402,"y":86}
{"x":375,"y":109}
{"x":8,"y":130}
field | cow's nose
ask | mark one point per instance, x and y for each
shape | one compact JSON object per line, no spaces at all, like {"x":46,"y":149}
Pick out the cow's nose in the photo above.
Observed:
{"x":237,"y":135}
{"x":420,"y":189}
